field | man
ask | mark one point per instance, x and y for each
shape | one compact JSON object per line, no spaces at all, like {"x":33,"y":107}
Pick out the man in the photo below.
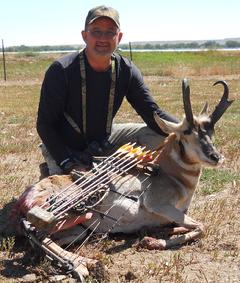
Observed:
{"x":81,"y":94}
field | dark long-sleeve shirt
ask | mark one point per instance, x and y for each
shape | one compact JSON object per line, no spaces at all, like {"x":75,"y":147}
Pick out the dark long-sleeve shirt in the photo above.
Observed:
{"x":61,"y":92}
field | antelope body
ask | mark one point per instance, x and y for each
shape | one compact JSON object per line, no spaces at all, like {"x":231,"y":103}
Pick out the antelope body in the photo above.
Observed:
{"x":167,"y":196}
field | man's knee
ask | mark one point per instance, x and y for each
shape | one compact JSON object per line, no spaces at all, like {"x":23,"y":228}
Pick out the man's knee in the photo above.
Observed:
{"x":135,"y":132}
{"x":149,"y":138}
{"x":53,"y":168}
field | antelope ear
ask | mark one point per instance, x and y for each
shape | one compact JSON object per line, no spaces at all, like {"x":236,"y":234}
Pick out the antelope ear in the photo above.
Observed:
{"x":205,"y":109}
{"x":166,"y":126}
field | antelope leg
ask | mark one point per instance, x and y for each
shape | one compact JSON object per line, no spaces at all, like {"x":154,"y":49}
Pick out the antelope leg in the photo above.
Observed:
{"x":176,"y":230}
{"x":160,"y":244}
{"x":174,"y":215}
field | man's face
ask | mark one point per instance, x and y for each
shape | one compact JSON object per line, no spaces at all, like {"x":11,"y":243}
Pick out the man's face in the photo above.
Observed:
{"x":102,"y":37}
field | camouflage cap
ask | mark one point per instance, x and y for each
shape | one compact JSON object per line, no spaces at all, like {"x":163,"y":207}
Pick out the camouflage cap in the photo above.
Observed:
{"x":102,"y":11}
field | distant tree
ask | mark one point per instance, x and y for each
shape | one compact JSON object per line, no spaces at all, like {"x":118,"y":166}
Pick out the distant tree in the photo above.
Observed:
{"x":210,"y":44}
{"x":147,"y":46}
{"x":124,"y":46}
{"x":232,"y":44}
{"x":158,"y":46}
{"x":193,"y":45}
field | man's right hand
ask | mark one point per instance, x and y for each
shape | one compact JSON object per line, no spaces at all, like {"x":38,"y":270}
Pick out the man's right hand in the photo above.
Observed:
{"x":72,"y":164}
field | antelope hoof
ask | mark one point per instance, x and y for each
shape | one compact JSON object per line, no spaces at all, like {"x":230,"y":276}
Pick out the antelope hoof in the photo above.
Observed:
{"x":152,"y":243}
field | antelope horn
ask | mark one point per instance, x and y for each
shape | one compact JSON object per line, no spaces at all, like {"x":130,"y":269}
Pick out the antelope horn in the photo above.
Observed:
{"x":223,"y":104}
{"x":187,"y":102}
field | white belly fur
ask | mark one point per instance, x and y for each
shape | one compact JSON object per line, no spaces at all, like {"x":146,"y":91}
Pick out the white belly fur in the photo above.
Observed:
{"x":130,"y":215}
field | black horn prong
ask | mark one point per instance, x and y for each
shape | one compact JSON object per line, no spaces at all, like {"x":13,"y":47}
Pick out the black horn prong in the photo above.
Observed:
{"x":187,"y":102}
{"x":226,"y":90}
{"x":223,"y":104}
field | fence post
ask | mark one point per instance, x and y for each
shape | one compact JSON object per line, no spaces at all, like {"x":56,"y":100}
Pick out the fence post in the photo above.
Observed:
{"x":4,"y":63}
{"x":130,"y":49}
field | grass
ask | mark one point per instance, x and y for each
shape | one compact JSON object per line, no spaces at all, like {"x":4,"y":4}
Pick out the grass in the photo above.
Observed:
{"x":215,"y":180}
{"x":192,"y":63}
{"x":7,"y":244}
{"x":215,"y":258}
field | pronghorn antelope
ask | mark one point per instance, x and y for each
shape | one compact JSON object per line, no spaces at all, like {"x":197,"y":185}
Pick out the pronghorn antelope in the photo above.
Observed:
{"x":134,"y":201}
{"x":167,"y":195}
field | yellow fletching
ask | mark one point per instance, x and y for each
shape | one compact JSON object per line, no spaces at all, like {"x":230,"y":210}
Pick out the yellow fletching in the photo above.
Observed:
{"x":125,"y":148}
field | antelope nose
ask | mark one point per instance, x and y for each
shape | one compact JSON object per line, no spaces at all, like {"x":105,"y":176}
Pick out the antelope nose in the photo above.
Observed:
{"x":215,"y":157}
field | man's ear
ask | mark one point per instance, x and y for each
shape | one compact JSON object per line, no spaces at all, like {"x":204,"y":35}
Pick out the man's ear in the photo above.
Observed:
{"x":120,"y":37}
{"x":84,"y":35}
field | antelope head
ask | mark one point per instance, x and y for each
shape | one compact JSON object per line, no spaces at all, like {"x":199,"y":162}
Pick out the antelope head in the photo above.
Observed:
{"x":195,"y":133}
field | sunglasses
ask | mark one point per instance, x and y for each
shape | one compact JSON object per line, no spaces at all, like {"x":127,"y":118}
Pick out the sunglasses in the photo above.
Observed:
{"x":100,"y":34}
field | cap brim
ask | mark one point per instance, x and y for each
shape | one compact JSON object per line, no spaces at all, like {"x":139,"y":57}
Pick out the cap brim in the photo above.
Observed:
{"x":94,"y":19}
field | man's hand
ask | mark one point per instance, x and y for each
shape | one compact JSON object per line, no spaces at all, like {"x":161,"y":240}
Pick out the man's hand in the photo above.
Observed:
{"x":73,"y":164}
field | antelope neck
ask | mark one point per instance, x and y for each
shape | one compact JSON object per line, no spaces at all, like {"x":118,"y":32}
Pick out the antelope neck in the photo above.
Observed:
{"x":173,"y":161}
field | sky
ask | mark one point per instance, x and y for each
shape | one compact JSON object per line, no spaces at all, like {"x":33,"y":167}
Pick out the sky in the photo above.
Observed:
{"x":59,"y":22}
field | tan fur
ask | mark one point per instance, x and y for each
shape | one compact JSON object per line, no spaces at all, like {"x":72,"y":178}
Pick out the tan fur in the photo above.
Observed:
{"x":171,"y":166}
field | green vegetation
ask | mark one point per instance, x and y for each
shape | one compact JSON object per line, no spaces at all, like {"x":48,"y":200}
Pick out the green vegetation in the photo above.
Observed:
{"x":215,"y":180}
{"x":183,"y":63}
{"x":22,"y":66}
{"x":209,"y":44}
{"x":31,"y":66}
{"x":24,"y":48}
{"x":6,"y":245}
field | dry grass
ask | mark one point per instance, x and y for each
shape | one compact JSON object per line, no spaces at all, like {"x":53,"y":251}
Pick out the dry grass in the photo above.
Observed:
{"x":215,"y":258}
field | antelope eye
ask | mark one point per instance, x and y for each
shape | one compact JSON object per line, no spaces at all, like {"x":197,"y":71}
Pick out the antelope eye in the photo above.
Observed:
{"x":188,"y":131}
